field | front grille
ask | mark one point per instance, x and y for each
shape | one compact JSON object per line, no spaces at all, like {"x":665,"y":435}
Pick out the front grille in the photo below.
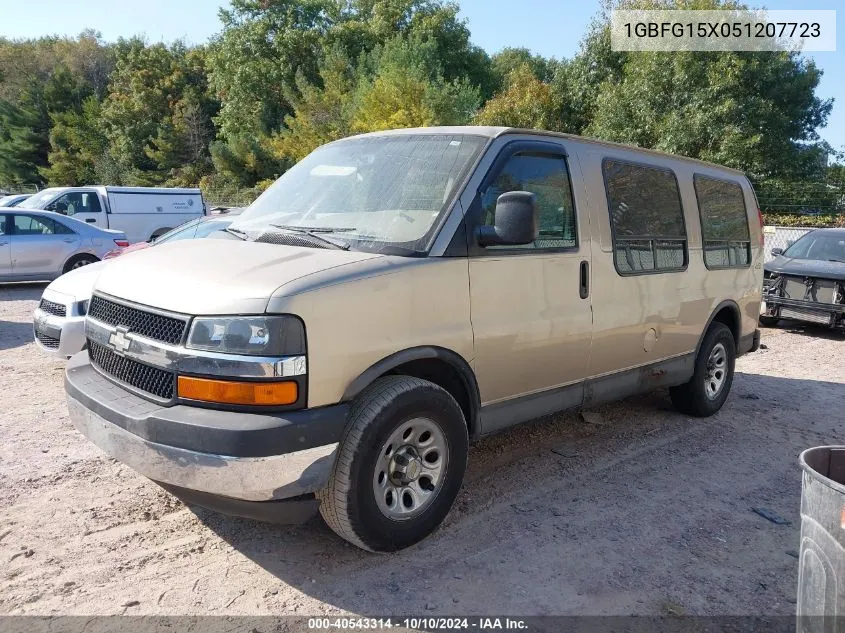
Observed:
{"x":56,"y":309}
{"x":805,"y":315}
{"x":47,"y":341}
{"x":150,"y":379}
{"x":150,"y":324}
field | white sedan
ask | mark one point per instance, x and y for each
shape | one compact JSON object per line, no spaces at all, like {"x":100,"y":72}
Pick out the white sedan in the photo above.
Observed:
{"x":41,"y":245}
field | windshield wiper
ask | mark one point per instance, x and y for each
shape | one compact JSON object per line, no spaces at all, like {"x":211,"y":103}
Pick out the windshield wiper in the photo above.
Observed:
{"x":236,"y":232}
{"x":314,"y":232}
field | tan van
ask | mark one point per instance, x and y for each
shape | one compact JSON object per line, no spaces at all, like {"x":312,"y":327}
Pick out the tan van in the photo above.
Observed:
{"x":394,"y":296}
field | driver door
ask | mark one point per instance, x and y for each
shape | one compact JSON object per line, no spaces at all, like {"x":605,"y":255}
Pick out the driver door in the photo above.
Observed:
{"x":83,"y":206}
{"x":530,"y":305}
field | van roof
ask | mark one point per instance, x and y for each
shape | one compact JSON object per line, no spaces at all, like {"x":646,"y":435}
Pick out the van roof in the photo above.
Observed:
{"x":495,"y":131}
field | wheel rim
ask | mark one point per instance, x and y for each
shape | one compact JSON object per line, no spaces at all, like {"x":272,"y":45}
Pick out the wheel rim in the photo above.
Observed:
{"x":79,"y":264}
{"x":410,"y":469}
{"x":717,"y":371}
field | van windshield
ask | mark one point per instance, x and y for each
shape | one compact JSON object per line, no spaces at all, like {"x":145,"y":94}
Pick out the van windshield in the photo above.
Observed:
{"x":376,"y":194}
{"x":39,"y":200}
{"x":819,"y":245}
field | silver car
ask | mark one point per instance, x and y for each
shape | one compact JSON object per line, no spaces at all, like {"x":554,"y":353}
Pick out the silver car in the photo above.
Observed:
{"x":13,"y":200}
{"x":41,"y":245}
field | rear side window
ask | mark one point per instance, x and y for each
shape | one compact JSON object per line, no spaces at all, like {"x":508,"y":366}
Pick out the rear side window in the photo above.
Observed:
{"x":646,"y":218}
{"x":724,"y":223}
{"x":30,"y":225}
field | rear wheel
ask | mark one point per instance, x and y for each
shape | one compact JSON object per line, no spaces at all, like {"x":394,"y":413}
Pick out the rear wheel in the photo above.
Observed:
{"x":78,"y":262}
{"x":399,"y":466}
{"x":707,"y":390}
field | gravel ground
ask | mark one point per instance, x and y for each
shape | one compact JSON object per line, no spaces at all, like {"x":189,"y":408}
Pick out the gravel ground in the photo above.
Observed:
{"x":639,"y":511}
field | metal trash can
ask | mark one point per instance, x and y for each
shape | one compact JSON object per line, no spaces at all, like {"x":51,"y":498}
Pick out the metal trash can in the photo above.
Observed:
{"x":821,"y":571}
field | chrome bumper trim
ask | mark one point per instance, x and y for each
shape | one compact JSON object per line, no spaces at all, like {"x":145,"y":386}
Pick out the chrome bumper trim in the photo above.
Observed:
{"x":178,"y":359}
{"x":247,"y":478}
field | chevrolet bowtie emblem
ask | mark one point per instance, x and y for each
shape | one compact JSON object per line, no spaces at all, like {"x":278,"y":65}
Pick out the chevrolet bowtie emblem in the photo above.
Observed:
{"x":119,"y":341}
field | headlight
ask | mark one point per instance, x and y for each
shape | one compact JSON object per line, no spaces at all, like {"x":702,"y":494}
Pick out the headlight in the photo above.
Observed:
{"x":252,"y":335}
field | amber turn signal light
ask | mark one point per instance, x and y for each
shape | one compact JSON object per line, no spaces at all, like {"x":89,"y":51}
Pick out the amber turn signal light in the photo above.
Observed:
{"x":231,"y":392}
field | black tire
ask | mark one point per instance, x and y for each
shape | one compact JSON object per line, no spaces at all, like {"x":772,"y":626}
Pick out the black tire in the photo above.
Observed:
{"x":769,"y":321}
{"x":348,"y":502}
{"x":77,"y":261}
{"x":693,"y":398}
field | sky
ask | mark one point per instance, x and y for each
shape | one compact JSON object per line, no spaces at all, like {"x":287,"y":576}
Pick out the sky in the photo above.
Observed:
{"x":494,"y":24}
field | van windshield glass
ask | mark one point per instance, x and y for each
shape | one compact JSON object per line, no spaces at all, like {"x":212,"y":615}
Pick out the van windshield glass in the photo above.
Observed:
{"x":377,"y":194}
{"x":819,"y":245}
{"x":39,"y":200}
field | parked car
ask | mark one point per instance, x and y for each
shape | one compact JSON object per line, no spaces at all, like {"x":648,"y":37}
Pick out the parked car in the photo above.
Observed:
{"x":397,"y":294}
{"x":41,"y":245}
{"x":59,"y":319}
{"x":143,"y":213}
{"x":14,"y":199}
{"x":201,"y":227}
{"x":806,"y":282}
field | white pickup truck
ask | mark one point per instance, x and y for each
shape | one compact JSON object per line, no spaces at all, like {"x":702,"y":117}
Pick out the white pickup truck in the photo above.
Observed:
{"x":143,"y":213}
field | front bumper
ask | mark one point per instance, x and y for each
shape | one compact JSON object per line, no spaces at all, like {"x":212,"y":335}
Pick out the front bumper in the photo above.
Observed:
{"x":830,"y":314}
{"x":248,"y":457}
{"x":58,"y":336}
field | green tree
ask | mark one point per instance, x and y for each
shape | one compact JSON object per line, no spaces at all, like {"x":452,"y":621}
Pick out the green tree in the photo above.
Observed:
{"x":525,"y":102}
{"x":78,"y":147}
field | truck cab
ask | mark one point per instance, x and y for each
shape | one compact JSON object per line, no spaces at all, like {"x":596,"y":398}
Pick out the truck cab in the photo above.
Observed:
{"x":143,"y":213}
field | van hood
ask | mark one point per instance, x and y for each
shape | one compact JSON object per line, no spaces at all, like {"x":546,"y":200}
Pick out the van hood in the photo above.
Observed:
{"x":215,"y":276}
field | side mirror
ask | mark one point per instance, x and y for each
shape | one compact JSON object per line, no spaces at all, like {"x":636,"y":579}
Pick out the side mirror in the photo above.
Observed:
{"x":777,"y":251}
{"x":516,"y":222}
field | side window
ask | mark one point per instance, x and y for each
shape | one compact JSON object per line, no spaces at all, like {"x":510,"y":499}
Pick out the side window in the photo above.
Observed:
{"x":724,"y":223}
{"x":30,"y":225}
{"x":3,"y":225}
{"x":90,"y":203}
{"x":646,"y":218}
{"x":546,"y":176}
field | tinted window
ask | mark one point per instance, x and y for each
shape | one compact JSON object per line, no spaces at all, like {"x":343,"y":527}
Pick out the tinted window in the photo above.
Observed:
{"x":547,"y":177}
{"x":30,"y":225}
{"x":77,"y":202}
{"x":646,"y":218}
{"x":724,"y":223}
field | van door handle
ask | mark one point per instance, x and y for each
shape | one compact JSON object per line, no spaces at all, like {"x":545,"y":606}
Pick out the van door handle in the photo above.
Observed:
{"x":70,"y":240}
{"x":90,"y":220}
{"x":584,"y":280}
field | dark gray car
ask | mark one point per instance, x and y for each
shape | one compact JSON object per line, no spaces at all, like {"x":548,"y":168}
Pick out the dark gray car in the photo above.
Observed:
{"x":806,"y":282}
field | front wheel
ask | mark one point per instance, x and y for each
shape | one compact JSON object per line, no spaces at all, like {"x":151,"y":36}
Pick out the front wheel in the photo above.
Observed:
{"x":768,"y":321}
{"x":399,"y":466}
{"x":707,"y":390}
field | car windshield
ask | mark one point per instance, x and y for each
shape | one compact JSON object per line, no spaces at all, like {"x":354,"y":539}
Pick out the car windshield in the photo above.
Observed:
{"x":194,"y":229}
{"x":375,"y":193}
{"x":819,"y":245}
{"x":39,"y":200}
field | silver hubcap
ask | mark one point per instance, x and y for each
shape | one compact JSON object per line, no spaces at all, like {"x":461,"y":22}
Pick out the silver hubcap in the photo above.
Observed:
{"x":79,"y":264}
{"x":410,"y":469}
{"x":717,"y":371}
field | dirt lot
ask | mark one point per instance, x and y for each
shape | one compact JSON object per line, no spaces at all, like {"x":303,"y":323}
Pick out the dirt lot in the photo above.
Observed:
{"x":644,"y":512}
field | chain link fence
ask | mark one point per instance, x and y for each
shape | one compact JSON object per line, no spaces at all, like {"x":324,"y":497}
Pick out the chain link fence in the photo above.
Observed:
{"x":781,"y":237}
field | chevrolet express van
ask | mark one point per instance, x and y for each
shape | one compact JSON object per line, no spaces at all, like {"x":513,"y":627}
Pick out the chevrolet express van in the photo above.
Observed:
{"x":396,"y":295}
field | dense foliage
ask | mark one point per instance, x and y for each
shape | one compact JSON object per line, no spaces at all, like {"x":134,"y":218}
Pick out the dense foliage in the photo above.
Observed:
{"x":284,"y":76}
